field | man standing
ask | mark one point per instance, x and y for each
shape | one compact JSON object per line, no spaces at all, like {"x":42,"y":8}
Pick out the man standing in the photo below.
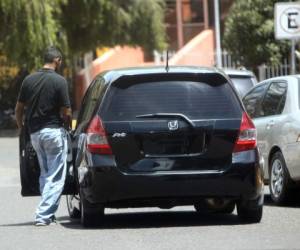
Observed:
{"x":45,"y":96}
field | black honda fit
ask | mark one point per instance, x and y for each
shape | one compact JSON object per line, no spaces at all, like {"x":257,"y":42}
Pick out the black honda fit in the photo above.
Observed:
{"x":150,"y":137}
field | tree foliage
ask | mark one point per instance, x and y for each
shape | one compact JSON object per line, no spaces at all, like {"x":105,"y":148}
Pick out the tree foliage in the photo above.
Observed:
{"x":111,"y":22}
{"x":249,"y":33}
{"x":27,"y":27}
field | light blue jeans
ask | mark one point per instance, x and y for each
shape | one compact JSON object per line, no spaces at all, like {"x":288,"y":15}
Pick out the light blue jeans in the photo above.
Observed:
{"x":50,"y":145}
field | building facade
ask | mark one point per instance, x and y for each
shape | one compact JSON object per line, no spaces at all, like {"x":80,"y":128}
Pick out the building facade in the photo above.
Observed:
{"x":185,"y":19}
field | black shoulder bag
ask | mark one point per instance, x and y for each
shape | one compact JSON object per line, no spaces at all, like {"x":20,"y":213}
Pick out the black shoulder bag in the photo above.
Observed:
{"x":28,"y":158}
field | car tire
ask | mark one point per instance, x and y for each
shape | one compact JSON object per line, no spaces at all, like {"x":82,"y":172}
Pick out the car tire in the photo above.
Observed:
{"x":279,"y":179}
{"x":249,"y":214}
{"x":74,"y":211}
{"x":91,"y":215}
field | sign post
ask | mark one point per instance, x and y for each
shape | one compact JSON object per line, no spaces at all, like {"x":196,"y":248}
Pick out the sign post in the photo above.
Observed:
{"x":218,"y":36}
{"x":287,"y":26}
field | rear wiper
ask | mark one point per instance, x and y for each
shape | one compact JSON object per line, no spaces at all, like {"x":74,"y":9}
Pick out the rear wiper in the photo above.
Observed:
{"x":168,"y":115}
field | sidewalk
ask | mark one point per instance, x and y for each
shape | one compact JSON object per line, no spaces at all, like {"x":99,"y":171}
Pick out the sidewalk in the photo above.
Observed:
{"x":9,"y":133}
{"x":9,"y":164}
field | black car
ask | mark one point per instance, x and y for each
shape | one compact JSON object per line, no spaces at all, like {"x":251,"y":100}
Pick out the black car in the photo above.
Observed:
{"x":150,"y":137}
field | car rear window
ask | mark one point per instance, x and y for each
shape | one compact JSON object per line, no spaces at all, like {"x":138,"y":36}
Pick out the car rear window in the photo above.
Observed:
{"x":196,"y":100}
{"x":243,"y":85}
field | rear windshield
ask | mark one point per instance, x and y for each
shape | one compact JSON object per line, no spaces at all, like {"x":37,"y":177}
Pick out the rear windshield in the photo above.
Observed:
{"x":243,"y":85}
{"x":196,"y":100}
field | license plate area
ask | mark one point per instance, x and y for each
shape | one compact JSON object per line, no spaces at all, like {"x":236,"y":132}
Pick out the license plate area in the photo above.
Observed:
{"x":181,"y":144}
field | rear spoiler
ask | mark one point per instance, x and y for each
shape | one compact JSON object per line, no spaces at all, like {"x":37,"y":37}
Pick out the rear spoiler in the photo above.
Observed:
{"x":125,"y":81}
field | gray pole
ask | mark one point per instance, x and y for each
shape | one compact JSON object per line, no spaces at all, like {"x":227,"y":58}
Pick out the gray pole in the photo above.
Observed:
{"x":293,"y":57}
{"x":217,"y":34}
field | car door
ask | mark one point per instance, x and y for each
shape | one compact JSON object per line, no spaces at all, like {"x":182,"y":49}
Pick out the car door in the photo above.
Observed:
{"x":91,"y":99}
{"x":30,"y":170}
{"x":252,"y":102}
{"x":271,"y":120}
{"x":167,"y":122}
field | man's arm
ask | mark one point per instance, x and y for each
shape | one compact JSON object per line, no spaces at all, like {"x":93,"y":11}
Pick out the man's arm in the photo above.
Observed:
{"x":66,"y":114}
{"x":19,"y":111}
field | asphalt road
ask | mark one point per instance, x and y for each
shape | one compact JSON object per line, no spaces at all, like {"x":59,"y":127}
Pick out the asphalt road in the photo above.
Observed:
{"x":178,"y":228}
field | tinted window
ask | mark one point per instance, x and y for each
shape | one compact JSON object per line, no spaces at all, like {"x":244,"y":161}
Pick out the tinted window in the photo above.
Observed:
{"x":243,"y":85}
{"x":90,"y":100}
{"x":196,"y":100}
{"x":252,"y":100}
{"x":274,"y":99}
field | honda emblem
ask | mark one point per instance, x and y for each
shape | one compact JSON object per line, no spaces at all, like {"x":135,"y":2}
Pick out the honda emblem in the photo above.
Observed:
{"x":173,"y":125}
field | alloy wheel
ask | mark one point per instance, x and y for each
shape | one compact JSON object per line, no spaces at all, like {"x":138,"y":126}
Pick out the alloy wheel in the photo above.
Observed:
{"x":73,"y":205}
{"x":277,"y":178}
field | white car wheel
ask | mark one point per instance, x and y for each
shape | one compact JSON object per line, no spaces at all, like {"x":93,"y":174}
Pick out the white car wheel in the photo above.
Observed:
{"x":279,"y":179}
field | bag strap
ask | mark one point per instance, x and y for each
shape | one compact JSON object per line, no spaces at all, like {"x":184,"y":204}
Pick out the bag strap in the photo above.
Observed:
{"x":34,"y":99}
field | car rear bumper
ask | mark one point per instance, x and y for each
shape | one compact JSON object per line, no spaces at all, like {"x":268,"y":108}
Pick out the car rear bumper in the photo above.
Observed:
{"x":243,"y":180}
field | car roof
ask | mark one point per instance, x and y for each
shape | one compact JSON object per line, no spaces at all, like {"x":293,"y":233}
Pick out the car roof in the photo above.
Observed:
{"x":238,"y":72}
{"x":276,"y":78}
{"x":115,"y":74}
{"x":281,"y":78}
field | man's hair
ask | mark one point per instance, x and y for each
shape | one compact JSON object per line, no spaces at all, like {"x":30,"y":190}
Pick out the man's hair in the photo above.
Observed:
{"x":51,"y":53}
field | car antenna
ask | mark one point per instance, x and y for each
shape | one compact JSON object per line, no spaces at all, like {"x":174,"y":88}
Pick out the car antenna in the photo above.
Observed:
{"x":167,"y":61}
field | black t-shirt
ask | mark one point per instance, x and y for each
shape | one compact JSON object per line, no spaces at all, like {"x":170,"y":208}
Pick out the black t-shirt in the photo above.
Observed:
{"x":53,"y":95}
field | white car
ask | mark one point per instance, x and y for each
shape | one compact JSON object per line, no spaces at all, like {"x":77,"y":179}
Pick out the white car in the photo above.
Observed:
{"x":274,"y":106}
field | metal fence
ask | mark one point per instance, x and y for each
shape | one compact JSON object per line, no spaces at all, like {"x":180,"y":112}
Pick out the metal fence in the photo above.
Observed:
{"x":228,"y":61}
{"x":265,"y":72}
{"x":160,"y":58}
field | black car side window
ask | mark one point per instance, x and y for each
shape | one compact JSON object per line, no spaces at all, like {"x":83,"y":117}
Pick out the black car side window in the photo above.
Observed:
{"x":83,"y":103}
{"x":92,"y":99}
{"x":253,"y":99}
{"x":274,"y":99}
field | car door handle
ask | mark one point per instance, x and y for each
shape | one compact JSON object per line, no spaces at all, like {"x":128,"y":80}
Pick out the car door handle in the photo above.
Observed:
{"x":270,"y":124}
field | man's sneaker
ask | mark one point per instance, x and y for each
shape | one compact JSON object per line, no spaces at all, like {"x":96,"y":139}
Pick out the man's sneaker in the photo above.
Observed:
{"x":52,"y":221}
{"x":40,"y":224}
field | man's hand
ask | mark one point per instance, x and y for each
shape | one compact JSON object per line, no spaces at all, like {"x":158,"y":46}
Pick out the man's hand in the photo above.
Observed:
{"x":66,"y":114}
{"x":19,"y":111}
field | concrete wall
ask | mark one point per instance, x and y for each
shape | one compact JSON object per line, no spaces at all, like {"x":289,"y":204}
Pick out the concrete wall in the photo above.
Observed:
{"x":117,"y":57}
{"x":199,"y":51}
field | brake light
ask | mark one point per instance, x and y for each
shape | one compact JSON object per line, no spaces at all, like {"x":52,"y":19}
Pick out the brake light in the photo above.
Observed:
{"x":247,"y":135}
{"x":96,"y":138}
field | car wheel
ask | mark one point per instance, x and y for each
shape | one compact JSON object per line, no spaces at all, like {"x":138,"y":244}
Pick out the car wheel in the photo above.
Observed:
{"x":249,"y":214}
{"x":73,"y":205}
{"x":279,"y":179}
{"x":91,"y":215}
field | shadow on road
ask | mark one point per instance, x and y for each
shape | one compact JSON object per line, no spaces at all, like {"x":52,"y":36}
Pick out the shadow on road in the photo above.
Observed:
{"x":158,"y":219}
{"x":293,"y":203}
{"x":19,"y":224}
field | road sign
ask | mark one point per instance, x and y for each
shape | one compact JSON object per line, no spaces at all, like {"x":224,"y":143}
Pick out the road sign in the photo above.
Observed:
{"x":287,"y":20}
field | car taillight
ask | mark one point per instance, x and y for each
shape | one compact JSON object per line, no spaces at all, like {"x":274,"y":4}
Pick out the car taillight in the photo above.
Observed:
{"x":247,"y":135}
{"x":96,"y":138}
